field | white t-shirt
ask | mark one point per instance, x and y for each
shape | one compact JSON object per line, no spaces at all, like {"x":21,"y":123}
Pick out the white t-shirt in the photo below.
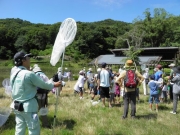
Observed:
{"x":104,"y":77}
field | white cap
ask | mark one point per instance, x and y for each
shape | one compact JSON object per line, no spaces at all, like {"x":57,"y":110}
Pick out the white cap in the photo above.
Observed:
{"x":90,"y":69}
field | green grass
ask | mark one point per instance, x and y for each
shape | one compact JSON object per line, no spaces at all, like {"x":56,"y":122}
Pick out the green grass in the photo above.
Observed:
{"x":79,"y":117}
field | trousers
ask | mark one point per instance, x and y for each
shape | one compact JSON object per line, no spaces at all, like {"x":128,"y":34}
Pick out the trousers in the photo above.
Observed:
{"x":29,"y":119}
{"x":129,"y":97}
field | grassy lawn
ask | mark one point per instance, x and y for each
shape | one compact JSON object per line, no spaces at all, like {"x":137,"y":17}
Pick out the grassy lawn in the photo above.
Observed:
{"x":80,"y":117}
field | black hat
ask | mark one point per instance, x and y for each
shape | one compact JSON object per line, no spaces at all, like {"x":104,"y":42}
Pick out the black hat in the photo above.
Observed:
{"x":20,"y":55}
{"x":176,"y":69}
{"x":103,"y":65}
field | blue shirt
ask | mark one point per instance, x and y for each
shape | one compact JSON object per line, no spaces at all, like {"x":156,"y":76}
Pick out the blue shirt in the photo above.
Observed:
{"x":153,"y":86}
{"x":25,"y":86}
{"x":158,"y":75}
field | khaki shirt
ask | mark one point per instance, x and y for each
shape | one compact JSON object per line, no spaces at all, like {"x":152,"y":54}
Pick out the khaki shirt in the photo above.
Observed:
{"x":120,"y":80}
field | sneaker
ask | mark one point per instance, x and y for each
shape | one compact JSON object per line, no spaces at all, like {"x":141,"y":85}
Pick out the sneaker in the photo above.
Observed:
{"x":133,"y":117}
{"x":81,"y":97}
{"x":99,"y":100}
{"x":91,"y":101}
{"x":173,"y":112}
{"x":123,"y":117}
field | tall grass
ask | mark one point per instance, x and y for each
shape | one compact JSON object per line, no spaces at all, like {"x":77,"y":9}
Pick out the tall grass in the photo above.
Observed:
{"x":80,"y":117}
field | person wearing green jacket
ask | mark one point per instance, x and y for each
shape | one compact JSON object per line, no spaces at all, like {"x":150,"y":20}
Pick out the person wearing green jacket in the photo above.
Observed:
{"x":24,"y":85}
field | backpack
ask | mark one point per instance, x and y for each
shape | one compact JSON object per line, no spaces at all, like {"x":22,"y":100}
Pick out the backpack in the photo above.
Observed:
{"x":130,"y":79}
{"x":55,"y":77}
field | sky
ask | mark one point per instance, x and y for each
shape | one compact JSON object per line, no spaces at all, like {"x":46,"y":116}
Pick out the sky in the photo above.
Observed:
{"x":53,"y":11}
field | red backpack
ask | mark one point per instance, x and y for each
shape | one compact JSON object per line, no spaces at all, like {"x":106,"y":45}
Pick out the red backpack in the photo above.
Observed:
{"x":130,"y":79}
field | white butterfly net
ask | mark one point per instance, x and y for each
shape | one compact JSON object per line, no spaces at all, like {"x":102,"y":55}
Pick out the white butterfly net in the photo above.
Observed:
{"x":65,"y":37}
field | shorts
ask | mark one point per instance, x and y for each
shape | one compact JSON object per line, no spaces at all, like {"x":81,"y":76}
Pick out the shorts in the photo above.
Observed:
{"x":155,"y":98}
{"x":95,"y":91}
{"x":81,"y":89}
{"x":104,"y":92}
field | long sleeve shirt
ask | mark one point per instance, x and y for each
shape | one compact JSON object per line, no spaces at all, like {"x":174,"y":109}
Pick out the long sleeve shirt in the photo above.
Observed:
{"x":24,"y":88}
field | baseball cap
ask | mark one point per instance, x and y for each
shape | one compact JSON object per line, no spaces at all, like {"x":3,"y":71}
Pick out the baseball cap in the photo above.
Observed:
{"x":103,"y":65}
{"x":21,"y":55}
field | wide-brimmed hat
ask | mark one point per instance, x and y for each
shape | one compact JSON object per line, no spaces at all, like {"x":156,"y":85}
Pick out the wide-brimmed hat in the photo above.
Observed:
{"x":129,"y":63}
{"x":37,"y":69}
{"x":81,"y":72}
{"x":172,"y":65}
{"x":176,"y":69}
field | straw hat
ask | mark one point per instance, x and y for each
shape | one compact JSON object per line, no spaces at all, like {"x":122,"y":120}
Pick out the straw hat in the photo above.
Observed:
{"x":129,"y":63}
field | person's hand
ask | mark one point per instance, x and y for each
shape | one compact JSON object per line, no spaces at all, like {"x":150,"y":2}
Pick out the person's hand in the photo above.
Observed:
{"x":57,"y":84}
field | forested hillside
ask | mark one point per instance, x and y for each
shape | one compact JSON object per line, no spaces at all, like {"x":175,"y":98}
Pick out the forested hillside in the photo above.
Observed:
{"x":92,"y":39}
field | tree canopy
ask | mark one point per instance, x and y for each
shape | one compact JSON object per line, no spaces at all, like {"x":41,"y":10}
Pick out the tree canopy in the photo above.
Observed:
{"x":92,"y":39}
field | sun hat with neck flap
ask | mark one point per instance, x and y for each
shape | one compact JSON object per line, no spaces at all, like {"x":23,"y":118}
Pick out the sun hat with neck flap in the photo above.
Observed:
{"x":129,"y":63}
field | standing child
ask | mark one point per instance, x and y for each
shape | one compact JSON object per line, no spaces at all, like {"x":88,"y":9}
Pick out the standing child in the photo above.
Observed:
{"x":95,"y":90}
{"x":117,"y":90}
{"x":91,"y":84}
{"x":154,"y":94}
{"x":164,"y":92}
{"x":80,"y":84}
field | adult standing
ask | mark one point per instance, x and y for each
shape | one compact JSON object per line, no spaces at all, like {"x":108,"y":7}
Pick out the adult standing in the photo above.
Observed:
{"x":129,"y":93}
{"x":170,"y":86}
{"x":104,"y":80}
{"x":24,"y":85}
{"x":176,"y":88}
{"x":146,"y":80}
{"x":42,"y":96}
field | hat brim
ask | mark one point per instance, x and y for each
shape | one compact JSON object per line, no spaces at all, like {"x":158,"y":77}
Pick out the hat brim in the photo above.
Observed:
{"x":28,"y":55}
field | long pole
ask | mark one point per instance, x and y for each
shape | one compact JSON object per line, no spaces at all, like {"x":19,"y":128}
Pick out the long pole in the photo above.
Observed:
{"x":57,"y":97}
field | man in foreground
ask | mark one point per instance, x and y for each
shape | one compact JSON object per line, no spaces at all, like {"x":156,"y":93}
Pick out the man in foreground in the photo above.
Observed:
{"x":24,"y":85}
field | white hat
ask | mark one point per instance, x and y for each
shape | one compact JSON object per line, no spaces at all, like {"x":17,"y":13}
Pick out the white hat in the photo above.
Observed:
{"x":81,"y":72}
{"x":36,"y":69}
{"x":99,"y":69}
{"x":35,"y":65}
{"x":90,"y":69}
{"x":59,"y":69}
{"x":172,"y":65}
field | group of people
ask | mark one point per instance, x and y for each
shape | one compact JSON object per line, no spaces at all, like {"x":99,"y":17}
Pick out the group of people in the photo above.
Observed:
{"x":30,"y":89}
{"x":109,"y":85}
